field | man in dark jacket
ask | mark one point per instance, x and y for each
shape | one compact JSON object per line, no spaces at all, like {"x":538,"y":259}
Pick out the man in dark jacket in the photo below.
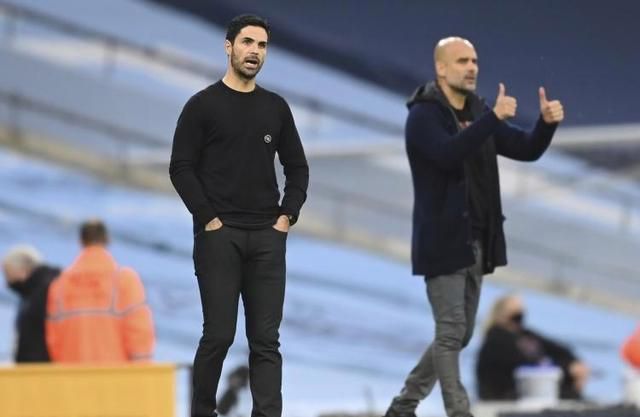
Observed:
{"x":29,"y":278}
{"x":452,"y":140}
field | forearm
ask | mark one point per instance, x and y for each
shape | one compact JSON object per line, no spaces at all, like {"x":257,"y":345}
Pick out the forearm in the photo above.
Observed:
{"x":295,"y":191}
{"x":428,"y":135}
{"x":541,"y":136}
{"x":517,"y":144}
{"x":189,"y":188}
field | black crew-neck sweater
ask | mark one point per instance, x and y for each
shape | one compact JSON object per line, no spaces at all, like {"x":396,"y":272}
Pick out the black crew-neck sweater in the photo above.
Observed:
{"x":222,"y":161}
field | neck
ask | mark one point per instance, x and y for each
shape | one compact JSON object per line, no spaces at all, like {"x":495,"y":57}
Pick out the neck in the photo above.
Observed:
{"x":233,"y":81}
{"x":455,"y":98}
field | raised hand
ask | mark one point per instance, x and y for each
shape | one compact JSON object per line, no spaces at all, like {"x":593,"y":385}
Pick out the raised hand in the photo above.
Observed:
{"x":552,"y":111}
{"x":506,"y":106}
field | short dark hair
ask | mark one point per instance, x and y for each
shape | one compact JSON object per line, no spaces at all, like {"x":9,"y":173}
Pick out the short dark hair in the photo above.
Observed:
{"x":93,"y":232}
{"x":242,"y":21}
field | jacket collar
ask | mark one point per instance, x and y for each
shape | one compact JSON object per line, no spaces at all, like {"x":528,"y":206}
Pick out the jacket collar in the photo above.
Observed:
{"x":431,"y":91}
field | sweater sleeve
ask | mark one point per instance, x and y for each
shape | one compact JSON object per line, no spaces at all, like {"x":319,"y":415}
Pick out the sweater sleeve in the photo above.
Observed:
{"x":188,"y":142}
{"x":294,"y":163}
{"x":427,"y":133}
{"x":517,"y":144}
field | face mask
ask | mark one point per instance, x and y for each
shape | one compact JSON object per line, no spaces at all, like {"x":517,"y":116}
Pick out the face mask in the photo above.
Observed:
{"x":19,"y":287}
{"x":517,"y":318}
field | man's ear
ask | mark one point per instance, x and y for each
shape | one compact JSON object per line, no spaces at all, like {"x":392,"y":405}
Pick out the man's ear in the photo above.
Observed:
{"x":227,"y":47}
{"x":440,"y":68}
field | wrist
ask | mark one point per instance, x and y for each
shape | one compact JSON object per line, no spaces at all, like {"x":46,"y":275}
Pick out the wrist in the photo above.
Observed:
{"x":286,"y":218}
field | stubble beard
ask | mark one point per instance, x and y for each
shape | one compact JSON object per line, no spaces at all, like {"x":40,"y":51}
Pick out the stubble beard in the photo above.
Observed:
{"x":462,"y":90}
{"x":240,"y":71}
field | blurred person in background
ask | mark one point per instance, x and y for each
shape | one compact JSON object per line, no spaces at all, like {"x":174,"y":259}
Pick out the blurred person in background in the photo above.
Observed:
{"x":452,"y":140}
{"x":631,"y":350}
{"x":222,"y":166}
{"x":509,"y":344}
{"x":96,"y":309}
{"x":29,"y":278}
{"x":237,"y":381}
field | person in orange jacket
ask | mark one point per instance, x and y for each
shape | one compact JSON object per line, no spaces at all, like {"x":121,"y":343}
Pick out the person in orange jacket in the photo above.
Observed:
{"x":96,"y":309}
{"x":631,"y":349}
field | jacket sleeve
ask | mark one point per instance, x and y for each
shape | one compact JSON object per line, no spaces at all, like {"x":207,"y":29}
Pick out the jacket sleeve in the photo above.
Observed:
{"x":137,"y":321}
{"x":502,"y":349}
{"x":631,"y":349}
{"x":294,"y":163}
{"x":426,"y":133}
{"x":517,"y":144}
{"x":188,"y":142}
{"x":50,"y":329}
{"x":560,"y":354}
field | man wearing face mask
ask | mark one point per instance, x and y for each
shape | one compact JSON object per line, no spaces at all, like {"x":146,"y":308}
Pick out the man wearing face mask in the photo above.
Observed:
{"x":509,"y":344}
{"x":29,"y":278}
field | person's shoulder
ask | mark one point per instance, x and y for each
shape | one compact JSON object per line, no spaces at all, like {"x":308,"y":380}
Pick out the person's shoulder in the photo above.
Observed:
{"x":211,"y":90}
{"x":52,"y":272}
{"x":272,"y":96}
{"x":128,"y":277}
{"x":130,"y":290}
{"x":206,"y":93}
{"x":426,"y":106}
{"x":499,"y":333}
{"x":428,"y":110}
{"x":44,"y":274}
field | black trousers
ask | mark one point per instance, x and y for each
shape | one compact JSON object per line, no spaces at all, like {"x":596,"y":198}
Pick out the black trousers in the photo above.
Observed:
{"x":229,"y":263}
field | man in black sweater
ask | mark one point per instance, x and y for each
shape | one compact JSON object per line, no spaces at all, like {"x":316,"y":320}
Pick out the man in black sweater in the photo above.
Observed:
{"x":452,"y":140}
{"x":222,"y":166}
{"x":29,"y":278}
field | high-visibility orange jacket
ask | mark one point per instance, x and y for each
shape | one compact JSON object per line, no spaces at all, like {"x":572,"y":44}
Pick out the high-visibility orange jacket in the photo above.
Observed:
{"x":631,"y":349}
{"x":97,"y":313}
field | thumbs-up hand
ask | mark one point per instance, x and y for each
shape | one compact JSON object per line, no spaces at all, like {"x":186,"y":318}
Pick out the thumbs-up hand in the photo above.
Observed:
{"x":552,"y":111}
{"x":506,"y":106}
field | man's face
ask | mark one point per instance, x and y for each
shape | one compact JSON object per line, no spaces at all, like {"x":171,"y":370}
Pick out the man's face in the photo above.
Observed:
{"x":248,"y":51}
{"x":14,"y":274}
{"x":459,"y":67}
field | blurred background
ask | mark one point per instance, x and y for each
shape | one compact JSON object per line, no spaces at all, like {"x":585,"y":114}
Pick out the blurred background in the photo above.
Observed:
{"x":90,"y":92}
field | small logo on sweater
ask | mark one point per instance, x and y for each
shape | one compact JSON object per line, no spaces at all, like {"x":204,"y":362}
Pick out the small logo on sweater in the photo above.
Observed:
{"x":267,"y":138}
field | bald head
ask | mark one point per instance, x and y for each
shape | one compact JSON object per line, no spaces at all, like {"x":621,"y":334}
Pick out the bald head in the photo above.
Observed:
{"x":456,"y":65}
{"x":443,"y":48}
